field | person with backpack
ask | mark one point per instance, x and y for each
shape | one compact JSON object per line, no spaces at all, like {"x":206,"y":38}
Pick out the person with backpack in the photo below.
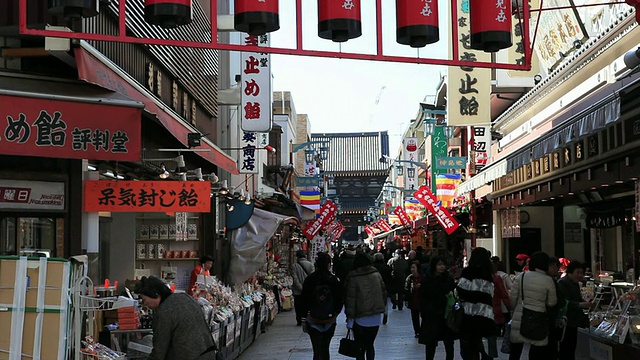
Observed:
{"x":321,"y":303}
{"x":301,"y":269}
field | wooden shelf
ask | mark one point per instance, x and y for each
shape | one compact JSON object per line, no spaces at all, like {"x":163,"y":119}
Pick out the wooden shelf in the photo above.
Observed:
{"x":181,"y":241}
{"x":170,"y":259}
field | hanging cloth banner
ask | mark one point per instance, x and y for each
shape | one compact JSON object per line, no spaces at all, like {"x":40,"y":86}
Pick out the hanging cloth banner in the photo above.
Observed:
{"x":426,"y":197}
{"x":326,"y":215}
{"x":404,"y":218}
{"x":383,"y":225}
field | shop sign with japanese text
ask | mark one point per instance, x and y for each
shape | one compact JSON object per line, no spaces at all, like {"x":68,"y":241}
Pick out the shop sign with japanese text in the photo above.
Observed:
{"x":426,"y":197}
{"x":469,"y":90}
{"x":404,"y":219}
{"x":410,"y":153}
{"x":451,"y":162}
{"x":481,"y":151}
{"x":255,"y":80}
{"x":247,"y":155}
{"x":439,"y":147}
{"x":71,"y":130}
{"x":307,"y":181}
{"x":147,"y":196}
{"x":327,"y":214}
{"x":31,"y":195}
{"x":515,"y":55}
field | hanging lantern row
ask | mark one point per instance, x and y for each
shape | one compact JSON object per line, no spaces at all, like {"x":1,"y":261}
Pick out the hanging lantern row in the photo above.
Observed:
{"x":338,"y":20}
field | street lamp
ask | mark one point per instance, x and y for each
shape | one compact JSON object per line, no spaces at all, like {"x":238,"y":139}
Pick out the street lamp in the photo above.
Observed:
{"x":324,"y":152}
{"x":399,"y":169}
{"x":309,"y":154}
{"x":430,"y":127}
{"x":411,"y":171}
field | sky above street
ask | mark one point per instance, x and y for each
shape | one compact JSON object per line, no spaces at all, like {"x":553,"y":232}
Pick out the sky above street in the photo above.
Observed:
{"x":341,"y":95}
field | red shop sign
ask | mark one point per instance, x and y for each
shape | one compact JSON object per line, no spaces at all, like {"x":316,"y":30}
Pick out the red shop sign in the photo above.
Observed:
{"x":147,"y":196}
{"x":71,"y":130}
{"x":404,"y":219}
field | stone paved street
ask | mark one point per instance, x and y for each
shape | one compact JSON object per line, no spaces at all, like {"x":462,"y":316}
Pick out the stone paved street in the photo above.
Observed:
{"x":284,"y":340}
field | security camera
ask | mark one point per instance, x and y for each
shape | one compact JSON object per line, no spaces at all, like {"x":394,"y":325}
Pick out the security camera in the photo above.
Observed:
{"x":632,"y":59}
{"x":577,"y":44}
{"x":537,"y":78}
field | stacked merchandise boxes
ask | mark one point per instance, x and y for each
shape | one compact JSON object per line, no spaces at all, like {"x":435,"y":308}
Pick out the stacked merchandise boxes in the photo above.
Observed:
{"x":34,"y":298}
{"x":128,"y":318}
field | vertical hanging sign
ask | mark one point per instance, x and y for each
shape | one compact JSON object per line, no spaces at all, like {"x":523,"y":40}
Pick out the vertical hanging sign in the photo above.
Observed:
{"x":439,"y":144}
{"x":481,"y":147}
{"x":181,"y":226}
{"x":255,"y":80}
{"x":469,"y":90}
{"x":247,"y":163}
{"x":410,"y":153}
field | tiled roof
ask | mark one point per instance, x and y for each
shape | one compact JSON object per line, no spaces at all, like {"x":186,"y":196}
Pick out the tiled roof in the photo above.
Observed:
{"x":355,"y":152}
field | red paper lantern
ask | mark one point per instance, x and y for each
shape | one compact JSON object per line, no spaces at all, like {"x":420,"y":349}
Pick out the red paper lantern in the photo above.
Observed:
{"x":417,"y":22}
{"x":168,"y":13}
{"x":73,"y":9}
{"x":256,"y":17}
{"x":339,"y":20}
{"x":490,"y":24}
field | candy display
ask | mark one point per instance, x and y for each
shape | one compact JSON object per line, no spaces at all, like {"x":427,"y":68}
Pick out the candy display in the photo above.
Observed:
{"x":94,"y":350}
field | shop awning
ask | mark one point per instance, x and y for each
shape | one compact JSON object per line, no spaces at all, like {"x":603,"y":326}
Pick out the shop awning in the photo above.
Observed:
{"x":385,"y":234}
{"x":95,"y":68}
{"x":490,"y":173}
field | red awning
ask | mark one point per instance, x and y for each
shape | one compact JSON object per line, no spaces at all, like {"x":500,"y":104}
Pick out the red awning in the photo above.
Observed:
{"x":96,"y":71}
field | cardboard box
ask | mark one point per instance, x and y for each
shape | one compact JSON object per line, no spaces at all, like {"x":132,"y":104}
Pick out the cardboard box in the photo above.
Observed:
{"x":40,"y":315}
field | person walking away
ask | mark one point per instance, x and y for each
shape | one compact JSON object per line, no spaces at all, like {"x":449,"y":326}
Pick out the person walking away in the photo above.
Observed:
{"x":180,"y":331}
{"x":500,"y":269}
{"x":412,"y":294}
{"x":539,"y":293}
{"x":399,"y":268}
{"x":364,"y":304}
{"x":475,"y":291}
{"x":301,"y":269}
{"x":321,"y":303}
{"x":569,"y":287}
{"x":436,"y":286}
{"x":500,"y":300}
{"x":521,"y":261}
{"x":346,"y":263}
{"x":385,"y":271}
{"x":206,"y":262}
{"x":557,"y":313}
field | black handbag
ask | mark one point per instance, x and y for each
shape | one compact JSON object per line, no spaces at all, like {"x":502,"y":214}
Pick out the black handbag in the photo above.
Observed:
{"x":455,"y":316}
{"x":348,"y":346}
{"x":534,"y":325}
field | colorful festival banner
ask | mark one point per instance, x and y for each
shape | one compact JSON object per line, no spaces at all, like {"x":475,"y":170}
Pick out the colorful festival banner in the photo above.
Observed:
{"x":384,"y":225}
{"x":448,"y":222}
{"x":147,"y":196}
{"x":446,"y":185}
{"x":326,"y":214}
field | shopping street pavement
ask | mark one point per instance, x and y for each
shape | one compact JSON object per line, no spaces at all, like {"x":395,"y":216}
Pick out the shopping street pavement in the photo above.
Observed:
{"x":395,"y":341}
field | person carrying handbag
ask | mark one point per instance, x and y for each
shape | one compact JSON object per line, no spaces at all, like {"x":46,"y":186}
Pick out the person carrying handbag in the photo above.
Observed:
{"x":569,"y":286}
{"x":532,"y":293}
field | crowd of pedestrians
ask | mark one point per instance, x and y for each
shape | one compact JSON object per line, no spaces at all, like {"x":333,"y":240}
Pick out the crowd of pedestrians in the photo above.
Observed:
{"x":493,"y":303}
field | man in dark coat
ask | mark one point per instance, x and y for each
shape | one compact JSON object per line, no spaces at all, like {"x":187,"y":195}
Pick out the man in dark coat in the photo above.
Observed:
{"x":435,"y":288}
{"x":385,"y":271}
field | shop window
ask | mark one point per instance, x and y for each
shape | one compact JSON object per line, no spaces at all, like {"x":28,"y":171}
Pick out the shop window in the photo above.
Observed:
{"x":28,"y":236}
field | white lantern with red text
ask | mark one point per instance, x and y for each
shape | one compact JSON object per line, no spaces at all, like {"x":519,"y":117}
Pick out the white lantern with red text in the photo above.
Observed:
{"x":417,"y":22}
{"x":339,"y":20}
{"x":256,"y":17}
{"x":168,"y":14}
{"x":490,"y":24}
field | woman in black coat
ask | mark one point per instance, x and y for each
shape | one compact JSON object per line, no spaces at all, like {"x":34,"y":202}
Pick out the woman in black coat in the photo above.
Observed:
{"x":435,"y":288}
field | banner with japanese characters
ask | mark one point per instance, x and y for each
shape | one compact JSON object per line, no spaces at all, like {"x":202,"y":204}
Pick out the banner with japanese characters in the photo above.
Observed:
{"x":247,"y":155}
{"x":255,"y":101}
{"x":469,"y":89}
{"x":147,"y":196}
{"x":383,"y":225}
{"x":405,"y":220}
{"x":369,"y":230}
{"x":481,"y":152}
{"x":410,"y":153}
{"x":71,"y":130}
{"x":426,"y":197}
{"x":326,"y":215}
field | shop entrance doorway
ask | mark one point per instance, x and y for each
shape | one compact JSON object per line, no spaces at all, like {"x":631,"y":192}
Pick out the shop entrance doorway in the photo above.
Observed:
{"x":530,"y":241}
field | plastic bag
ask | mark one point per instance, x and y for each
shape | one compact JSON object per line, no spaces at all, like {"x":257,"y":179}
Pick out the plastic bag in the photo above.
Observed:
{"x":506,"y":340}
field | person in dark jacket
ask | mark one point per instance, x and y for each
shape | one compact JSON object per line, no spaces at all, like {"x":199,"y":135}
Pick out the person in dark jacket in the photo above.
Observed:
{"x":365,"y":301}
{"x":345,"y":264}
{"x":321,"y":331}
{"x":180,"y":331}
{"x":555,"y":332}
{"x":412,"y":294}
{"x":569,"y":287}
{"x":385,"y":271}
{"x":435,"y":288}
{"x":475,"y":290}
